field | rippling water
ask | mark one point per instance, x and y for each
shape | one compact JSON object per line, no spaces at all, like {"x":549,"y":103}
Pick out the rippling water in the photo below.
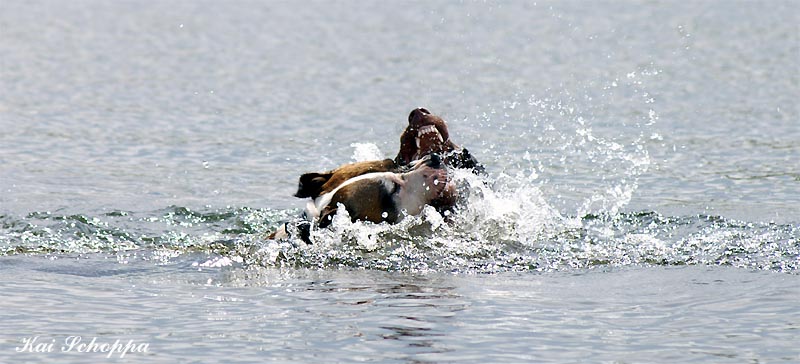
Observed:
{"x":640,"y":204}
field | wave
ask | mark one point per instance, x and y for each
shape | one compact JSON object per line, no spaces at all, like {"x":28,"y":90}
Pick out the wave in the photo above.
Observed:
{"x":471,"y":241}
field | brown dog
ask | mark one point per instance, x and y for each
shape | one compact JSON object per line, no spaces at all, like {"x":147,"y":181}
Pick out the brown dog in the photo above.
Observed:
{"x":385,"y":196}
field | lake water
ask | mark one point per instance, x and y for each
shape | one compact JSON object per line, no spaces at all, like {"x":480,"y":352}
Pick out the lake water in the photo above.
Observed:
{"x":641,"y":203}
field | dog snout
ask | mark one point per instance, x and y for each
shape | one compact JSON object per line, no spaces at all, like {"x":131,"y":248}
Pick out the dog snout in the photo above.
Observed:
{"x":417,"y":113}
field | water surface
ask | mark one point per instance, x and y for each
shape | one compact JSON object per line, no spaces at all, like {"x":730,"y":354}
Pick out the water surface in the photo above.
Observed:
{"x":641,"y":203}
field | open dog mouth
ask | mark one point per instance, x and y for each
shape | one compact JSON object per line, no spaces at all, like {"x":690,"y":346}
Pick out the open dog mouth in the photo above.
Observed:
{"x":426,"y":134}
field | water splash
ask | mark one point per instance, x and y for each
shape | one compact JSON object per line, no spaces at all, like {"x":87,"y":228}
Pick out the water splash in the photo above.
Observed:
{"x":366,"y":152}
{"x":424,"y":244}
{"x":586,"y":156}
{"x":563,"y":168}
{"x":555,"y":200}
{"x":478,"y":239}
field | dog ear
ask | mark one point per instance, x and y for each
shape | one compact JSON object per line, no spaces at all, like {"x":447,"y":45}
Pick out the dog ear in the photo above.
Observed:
{"x":310,"y":184}
{"x":326,"y":215}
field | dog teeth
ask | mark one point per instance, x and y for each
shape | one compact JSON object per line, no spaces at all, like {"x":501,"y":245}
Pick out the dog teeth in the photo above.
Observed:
{"x":427,"y":129}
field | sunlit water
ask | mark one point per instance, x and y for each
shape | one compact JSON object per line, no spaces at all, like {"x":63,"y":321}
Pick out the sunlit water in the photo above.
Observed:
{"x":641,"y":203}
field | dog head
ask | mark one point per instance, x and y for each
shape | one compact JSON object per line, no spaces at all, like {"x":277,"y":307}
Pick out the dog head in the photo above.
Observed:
{"x":425,"y":134}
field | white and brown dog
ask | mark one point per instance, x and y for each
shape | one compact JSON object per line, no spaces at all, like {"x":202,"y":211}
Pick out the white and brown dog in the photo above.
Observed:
{"x":385,"y":196}
{"x":386,"y":190}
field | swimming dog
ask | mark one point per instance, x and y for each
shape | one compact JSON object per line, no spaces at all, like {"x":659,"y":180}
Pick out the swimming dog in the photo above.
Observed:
{"x":385,"y":196}
{"x":385,"y":190}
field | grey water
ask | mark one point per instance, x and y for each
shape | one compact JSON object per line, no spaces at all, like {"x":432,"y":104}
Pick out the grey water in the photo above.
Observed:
{"x":641,"y":203}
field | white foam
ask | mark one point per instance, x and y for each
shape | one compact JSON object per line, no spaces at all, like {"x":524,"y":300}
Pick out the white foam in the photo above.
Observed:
{"x":366,"y":152}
